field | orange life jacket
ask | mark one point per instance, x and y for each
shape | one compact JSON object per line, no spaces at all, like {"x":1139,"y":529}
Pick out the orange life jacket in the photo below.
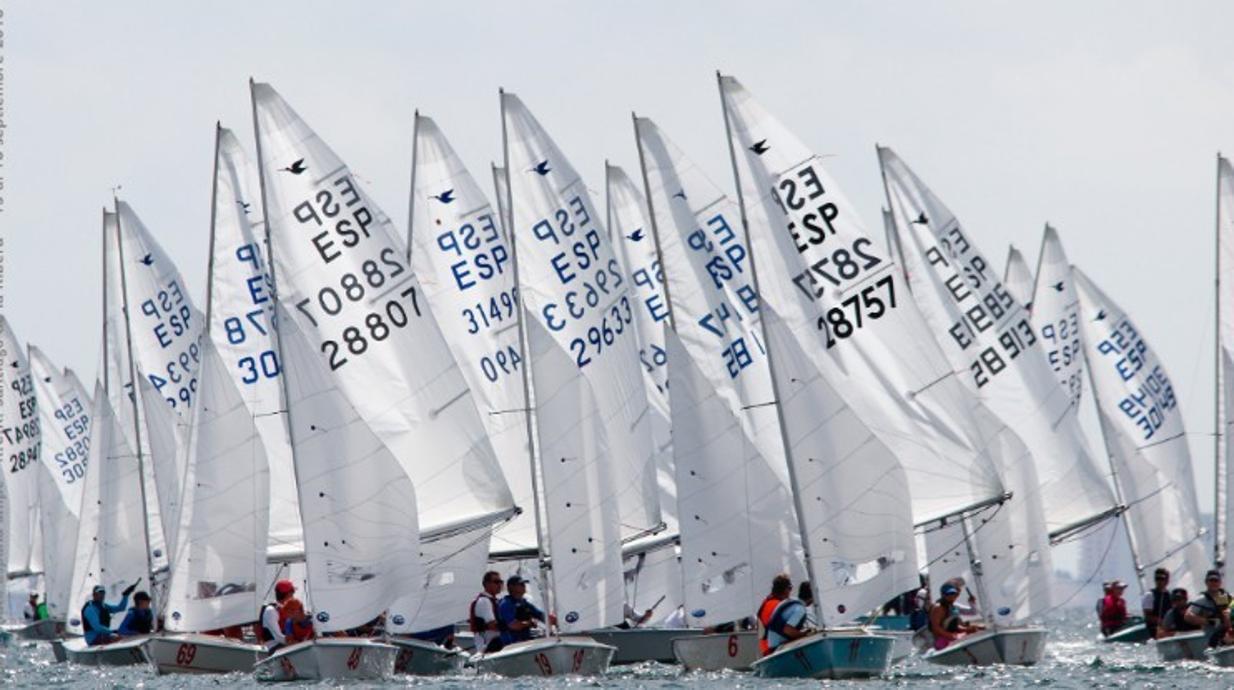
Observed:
{"x":765,"y":610}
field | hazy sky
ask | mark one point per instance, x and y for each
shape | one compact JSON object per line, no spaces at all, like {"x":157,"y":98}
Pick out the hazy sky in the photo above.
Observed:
{"x":1101,"y":117}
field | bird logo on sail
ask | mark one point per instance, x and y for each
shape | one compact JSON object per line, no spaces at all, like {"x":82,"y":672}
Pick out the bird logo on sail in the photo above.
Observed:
{"x":244,"y":206}
{"x":445,"y":197}
{"x":541,"y":168}
{"x":1100,"y":315}
{"x":297,"y":167}
{"x":636,"y":236}
{"x":760,"y":147}
{"x":921,"y":219}
{"x":148,"y":260}
{"x":1058,"y":287}
{"x":681,"y":194}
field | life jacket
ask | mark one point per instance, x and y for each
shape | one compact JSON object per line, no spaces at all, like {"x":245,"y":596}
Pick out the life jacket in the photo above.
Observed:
{"x":1218,"y":602}
{"x":264,"y":634}
{"x":779,"y":617}
{"x":104,"y":616}
{"x":765,"y":610}
{"x":477,"y":624}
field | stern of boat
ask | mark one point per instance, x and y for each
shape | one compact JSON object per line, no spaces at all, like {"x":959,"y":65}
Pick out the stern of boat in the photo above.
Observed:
{"x":551,"y":656}
{"x":717,"y":651}
{"x":829,"y":655}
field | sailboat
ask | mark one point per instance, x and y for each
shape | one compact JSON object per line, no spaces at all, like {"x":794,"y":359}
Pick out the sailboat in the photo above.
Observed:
{"x":1223,"y":403}
{"x":64,"y":426}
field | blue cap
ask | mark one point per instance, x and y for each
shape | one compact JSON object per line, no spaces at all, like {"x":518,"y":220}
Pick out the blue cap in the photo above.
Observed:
{"x":950,"y":589}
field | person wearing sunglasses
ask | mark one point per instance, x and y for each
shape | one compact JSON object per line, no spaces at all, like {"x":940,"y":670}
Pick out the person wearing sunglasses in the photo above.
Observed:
{"x":1156,"y":601}
{"x":482,"y":616}
{"x":1175,"y":619}
{"x":1211,"y":610}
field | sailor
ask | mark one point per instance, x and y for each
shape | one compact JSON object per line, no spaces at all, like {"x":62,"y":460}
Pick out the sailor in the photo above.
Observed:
{"x":1211,"y":610}
{"x":1105,"y":592}
{"x":1156,"y":601}
{"x":781,"y":588}
{"x":1113,"y":608}
{"x":788,"y":620}
{"x":634,"y":619}
{"x":1174,"y":620}
{"x":946,"y":625}
{"x":482,"y":615}
{"x":295,"y":622}
{"x":519,"y":616}
{"x":970,"y":608}
{"x":96,"y":615}
{"x":269,"y":627}
{"x":140,"y":619}
{"x":34,"y":611}
{"x":805,"y":592}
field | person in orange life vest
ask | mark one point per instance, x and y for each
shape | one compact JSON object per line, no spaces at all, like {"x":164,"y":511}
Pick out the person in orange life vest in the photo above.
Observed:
{"x":1114,"y":608}
{"x":482,"y":616}
{"x":781,"y":586}
{"x":269,"y":626}
{"x":293,"y":620}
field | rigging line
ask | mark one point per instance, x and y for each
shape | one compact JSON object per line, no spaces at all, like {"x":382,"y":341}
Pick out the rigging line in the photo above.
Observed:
{"x":960,"y":543}
{"x":1104,"y":555}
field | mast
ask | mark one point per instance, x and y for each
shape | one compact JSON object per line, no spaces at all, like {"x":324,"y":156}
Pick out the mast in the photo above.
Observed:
{"x":106,"y":369}
{"x":655,"y":226}
{"x":1219,"y":468}
{"x":214,"y":201}
{"x":278,"y":339}
{"x":141,"y":463}
{"x":974,"y":562}
{"x":546,"y":584}
{"x":775,"y":388}
{"x":411,"y":194}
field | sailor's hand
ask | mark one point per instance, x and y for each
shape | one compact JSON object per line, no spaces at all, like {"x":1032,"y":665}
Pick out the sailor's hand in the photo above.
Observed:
{"x":131,"y":588}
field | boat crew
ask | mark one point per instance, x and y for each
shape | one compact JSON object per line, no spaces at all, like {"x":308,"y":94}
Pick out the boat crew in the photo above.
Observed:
{"x":96,"y":615}
{"x":1211,"y":610}
{"x":482,"y":615}
{"x":781,"y":588}
{"x":1156,"y":601}
{"x":946,"y":625}
{"x":781,"y":616}
{"x":1174,"y":620}
{"x":34,"y":611}
{"x":517,"y":615}
{"x":269,"y":627}
{"x":1113,"y":608}
{"x":634,"y":619}
{"x":969,"y":608}
{"x":295,"y":622}
{"x":140,"y":619}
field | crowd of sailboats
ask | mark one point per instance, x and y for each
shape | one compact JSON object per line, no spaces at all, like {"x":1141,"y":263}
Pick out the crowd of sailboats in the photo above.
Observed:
{"x":670,"y":401}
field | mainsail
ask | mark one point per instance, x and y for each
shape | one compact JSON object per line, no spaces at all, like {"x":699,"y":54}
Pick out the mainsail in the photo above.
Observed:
{"x":343,"y":269}
{"x":240,"y":311}
{"x":1017,"y":277}
{"x":1144,"y":434}
{"x":220,"y":558}
{"x":19,"y":428}
{"x":571,"y":283}
{"x":989,"y":339}
{"x":64,"y":422}
{"x":462,"y":258}
{"x":1055,"y":315}
{"x":1224,"y":394}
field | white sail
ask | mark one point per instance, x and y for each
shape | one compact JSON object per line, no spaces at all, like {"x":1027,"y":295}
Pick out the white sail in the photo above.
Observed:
{"x":240,"y":307}
{"x":1055,"y":315}
{"x":19,"y":430}
{"x":635,"y":244}
{"x":463,"y":261}
{"x":358,"y":506}
{"x":824,"y":276}
{"x":572,"y":283}
{"x":653,"y":578}
{"x":852,"y":494}
{"x":581,"y":508}
{"x":989,"y":339}
{"x":111,"y":548}
{"x":734,"y":535}
{"x":1145,"y":437}
{"x":220,"y":559}
{"x":341,"y":266}
{"x":1224,"y":399}
{"x":64,"y":421}
{"x":164,"y":438}
{"x":1018,"y":278}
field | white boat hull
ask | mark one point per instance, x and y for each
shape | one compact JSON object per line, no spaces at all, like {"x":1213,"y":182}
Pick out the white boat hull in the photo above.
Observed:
{"x":1182,"y":647}
{"x":192,"y":653}
{"x":1222,"y":656}
{"x":637,"y":645}
{"x":718,"y":651}
{"x":126,"y":652}
{"x":833,"y":655}
{"x":421,"y":658}
{"x":1012,"y":646}
{"x":550,"y":656}
{"x":329,"y":658}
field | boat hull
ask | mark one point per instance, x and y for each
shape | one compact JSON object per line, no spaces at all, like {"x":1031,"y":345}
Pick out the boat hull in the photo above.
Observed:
{"x":329,"y":658}
{"x":57,"y":651}
{"x":1222,"y":656}
{"x":829,"y":655}
{"x":47,"y":629}
{"x":126,"y":652}
{"x":1135,"y":633}
{"x":717,"y":651}
{"x":421,"y":658}
{"x":642,"y":644}
{"x":1192,"y":645}
{"x":550,"y":656}
{"x":191,"y":653}
{"x":1013,"y":646}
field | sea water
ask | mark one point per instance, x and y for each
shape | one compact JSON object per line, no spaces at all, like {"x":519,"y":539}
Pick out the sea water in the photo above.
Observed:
{"x":1074,"y":659}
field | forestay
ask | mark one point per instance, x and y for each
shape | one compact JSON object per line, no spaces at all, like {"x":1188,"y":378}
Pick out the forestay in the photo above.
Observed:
{"x":734,"y":535}
{"x":64,"y":421}
{"x":222,"y":534}
{"x":581,"y":506}
{"x":1018,"y":278}
{"x":1055,"y":315}
{"x":111,"y":548}
{"x":846,"y":304}
{"x":572,"y":284}
{"x":852,"y":494}
{"x":987,"y":335}
{"x":1145,"y":437}
{"x":463,"y":261}
{"x":361,"y":540}
{"x":240,"y":308}
{"x":22,"y":441}
{"x":632,"y":235}
{"x":343,"y":270}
